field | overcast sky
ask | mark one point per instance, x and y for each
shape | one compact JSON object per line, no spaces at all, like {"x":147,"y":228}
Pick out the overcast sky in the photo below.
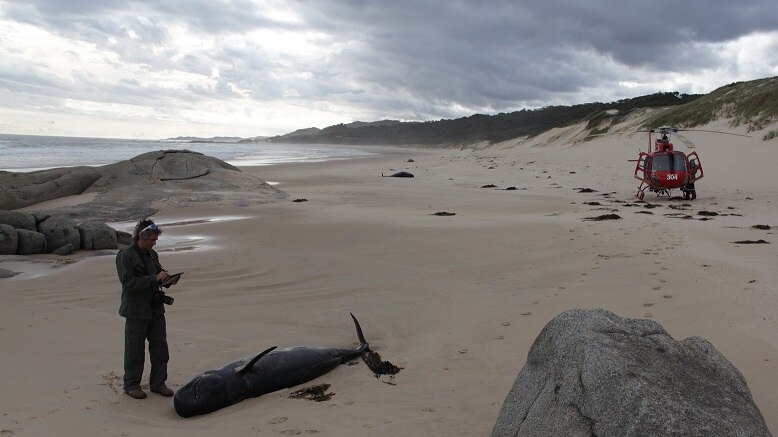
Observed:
{"x":155,"y":69}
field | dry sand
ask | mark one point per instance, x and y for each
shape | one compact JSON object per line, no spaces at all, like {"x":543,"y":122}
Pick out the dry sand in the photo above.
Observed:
{"x":455,"y":301}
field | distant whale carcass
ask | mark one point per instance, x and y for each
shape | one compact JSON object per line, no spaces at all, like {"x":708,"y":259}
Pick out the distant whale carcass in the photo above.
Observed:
{"x":271,"y":370}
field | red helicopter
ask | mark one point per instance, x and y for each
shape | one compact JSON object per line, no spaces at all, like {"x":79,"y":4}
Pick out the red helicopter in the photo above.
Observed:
{"x":666,"y":169}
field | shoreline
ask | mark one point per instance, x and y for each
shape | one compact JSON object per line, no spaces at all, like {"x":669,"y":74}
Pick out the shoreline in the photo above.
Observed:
{"x":454,"y":301}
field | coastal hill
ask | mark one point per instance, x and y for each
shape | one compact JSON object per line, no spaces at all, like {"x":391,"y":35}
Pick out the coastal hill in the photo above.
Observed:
{"x":752,"y":103}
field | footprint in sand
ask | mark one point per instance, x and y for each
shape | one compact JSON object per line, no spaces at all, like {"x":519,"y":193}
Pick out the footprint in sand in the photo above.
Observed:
{"x":277,"y":420}
{"x":656,"y":288}
{"x":648,"y":304}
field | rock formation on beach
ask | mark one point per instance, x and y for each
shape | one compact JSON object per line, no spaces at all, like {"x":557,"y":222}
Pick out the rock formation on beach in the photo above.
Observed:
{"x":125,"y":190}
{"x":122,"y":191}
{"x":28,"y":234}
{"x":593,"y":373}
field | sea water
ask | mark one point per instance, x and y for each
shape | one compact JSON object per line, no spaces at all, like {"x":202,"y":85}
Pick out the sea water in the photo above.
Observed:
{"x":22,"y":153}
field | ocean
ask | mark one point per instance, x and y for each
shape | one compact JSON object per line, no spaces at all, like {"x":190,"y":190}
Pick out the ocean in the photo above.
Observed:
{"x":24,"y":153}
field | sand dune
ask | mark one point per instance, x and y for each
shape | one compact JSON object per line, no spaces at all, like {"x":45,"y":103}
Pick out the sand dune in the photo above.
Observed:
{"x":456,"y":301}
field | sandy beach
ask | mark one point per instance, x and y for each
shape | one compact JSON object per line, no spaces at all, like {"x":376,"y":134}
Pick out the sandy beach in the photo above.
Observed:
{"x":455,"y":301}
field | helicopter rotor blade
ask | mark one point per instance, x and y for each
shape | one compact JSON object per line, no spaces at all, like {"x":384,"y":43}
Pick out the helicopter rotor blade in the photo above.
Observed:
{"x":713,"y":131}
{"x":686,"y":142}
{"x":670,"y":129}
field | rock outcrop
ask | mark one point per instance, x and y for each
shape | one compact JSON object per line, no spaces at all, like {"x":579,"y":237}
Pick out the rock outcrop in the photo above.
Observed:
{"x":126,"y":190}
{"x":60,"y":231}
{"x":121,"y":191}
{"x":9,"y":239}
{"x":593,"y":373}
{"x":53,"y":234}
{"x":96,"y":235}
{"x":24,"y":189}
{"x":30,"y":242}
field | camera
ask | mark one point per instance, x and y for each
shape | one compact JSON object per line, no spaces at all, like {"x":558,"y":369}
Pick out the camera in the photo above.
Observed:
{"x":164,"y":298}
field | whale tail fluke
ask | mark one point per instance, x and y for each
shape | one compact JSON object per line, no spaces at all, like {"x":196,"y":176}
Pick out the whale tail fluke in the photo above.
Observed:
{"x":363,"y":344}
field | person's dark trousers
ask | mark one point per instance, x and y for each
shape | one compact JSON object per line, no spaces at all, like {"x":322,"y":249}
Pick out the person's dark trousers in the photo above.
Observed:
{"x":136,"y":331}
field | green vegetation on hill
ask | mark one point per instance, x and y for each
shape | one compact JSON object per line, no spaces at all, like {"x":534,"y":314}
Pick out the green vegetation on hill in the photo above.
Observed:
{"x":475,"y":128}
{"x":754,"y":103}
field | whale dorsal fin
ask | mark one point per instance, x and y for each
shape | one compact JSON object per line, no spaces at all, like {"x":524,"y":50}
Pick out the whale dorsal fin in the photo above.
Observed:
{"x":250,"y":364}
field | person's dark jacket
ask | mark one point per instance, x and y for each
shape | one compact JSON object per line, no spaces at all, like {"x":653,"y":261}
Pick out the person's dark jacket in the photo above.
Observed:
{"x":137,"y":270}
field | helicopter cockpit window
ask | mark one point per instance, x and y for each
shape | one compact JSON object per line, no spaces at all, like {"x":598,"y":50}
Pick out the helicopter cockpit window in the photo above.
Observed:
{"x":675,"y":161}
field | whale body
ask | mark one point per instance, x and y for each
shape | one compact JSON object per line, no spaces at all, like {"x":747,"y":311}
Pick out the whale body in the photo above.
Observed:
{"x":272,"y":369}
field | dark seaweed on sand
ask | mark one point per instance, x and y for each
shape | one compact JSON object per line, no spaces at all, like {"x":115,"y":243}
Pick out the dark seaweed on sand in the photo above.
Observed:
{"x":316,"y":393}
{"x":604,"y":217}
{"x":378,"y":366}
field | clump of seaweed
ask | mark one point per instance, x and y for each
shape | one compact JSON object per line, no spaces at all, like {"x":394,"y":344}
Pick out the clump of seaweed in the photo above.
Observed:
{"x":378,"y":366}
{"x":316,"y":393}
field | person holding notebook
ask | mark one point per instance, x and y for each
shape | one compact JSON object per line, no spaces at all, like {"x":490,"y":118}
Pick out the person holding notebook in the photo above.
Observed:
{"x":141,"y":276}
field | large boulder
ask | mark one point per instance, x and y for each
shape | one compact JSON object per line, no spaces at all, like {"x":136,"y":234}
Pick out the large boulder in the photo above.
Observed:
{"x":18,"y":220}
{"x":23,"y":189}
{"x":9,"y":240}
{"x":96,"y":235}
{"x":30,"y":242}
{"x":60,"y":231}
{"x":591,"y":372}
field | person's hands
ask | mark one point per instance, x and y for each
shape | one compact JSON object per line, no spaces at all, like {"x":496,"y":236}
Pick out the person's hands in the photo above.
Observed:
{"x":161,"y":276}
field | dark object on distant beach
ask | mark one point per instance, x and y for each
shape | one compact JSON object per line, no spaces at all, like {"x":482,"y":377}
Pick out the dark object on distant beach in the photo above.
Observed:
{"x":410,"y":160}
{"x":400,"y":174}
{"x":604,"y":217}
{"x":593,"y":373}
{"x":300,"y":200}
{"x":751,"y":242}
{"x":377,"y":365}
{"x":271,"y":370}
{"x":593,"y":203}
{"x":762,"y":227}
{"x":489,"y":186}
{"x":444,"y":214}
{"x":644,"y":212}
{"x":586,"y":190}
{"x":510,"y":189}
{"x":650,"y":206}
{"x":316,"y":393}
{"x":708,"y":213}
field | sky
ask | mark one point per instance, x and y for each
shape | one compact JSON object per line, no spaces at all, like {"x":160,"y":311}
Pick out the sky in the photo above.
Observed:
{"x":159,"y":69}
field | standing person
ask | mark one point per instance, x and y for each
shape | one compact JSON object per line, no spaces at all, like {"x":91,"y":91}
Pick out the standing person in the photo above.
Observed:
{"x":141,"y":274}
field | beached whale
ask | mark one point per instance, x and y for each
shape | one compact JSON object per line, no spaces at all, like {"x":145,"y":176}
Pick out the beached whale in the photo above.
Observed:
{"x":271,"y":370}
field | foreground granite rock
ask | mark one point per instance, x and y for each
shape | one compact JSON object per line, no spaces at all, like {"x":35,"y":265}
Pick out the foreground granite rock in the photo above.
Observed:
{"x":593,"y":373}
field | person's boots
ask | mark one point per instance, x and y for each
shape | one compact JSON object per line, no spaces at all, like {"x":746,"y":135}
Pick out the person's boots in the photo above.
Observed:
{"x":163,"y":390}
{"x":136,"y":393}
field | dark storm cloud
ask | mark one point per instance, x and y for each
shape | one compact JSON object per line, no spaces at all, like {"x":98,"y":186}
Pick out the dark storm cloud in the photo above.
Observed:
{"x":418,"y":59}
{"x":504,"y":54}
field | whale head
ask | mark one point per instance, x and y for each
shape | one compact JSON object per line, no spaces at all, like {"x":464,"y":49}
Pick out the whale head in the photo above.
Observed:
{"x":204,"y":394}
